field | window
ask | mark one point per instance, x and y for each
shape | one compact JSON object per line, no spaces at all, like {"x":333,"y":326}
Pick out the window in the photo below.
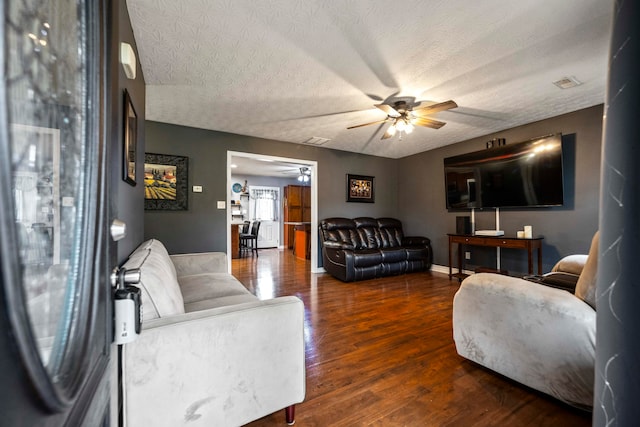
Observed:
{"x":264,"y":203}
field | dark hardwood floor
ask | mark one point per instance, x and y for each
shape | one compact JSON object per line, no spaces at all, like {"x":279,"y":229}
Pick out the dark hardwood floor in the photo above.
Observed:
{"x":380,"y":352}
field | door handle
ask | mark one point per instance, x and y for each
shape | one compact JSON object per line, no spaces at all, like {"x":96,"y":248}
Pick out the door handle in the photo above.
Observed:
{"x":127,"y":305}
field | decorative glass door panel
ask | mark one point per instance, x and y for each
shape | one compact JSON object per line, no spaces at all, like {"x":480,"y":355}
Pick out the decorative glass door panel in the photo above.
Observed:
{"x":51,"y":175}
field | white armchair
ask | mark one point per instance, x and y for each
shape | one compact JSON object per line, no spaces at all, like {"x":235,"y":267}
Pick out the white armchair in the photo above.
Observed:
{"x":538,"y":335}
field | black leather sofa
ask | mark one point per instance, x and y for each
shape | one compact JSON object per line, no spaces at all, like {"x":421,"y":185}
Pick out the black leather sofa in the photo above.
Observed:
{"x":365,"y":248}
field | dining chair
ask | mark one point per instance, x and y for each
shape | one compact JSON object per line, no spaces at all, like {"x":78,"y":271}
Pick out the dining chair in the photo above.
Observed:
{"x":249,"y":241}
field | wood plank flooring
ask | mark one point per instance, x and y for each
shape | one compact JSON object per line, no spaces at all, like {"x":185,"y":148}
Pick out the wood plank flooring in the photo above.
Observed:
{"x":381,"y":353}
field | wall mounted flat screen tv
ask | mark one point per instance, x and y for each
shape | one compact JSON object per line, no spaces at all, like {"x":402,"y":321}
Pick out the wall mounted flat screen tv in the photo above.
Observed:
{"x":525,"y":174}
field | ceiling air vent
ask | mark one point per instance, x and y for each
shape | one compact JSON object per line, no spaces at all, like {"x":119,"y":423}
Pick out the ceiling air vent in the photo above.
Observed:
{"x":567,"y":82}
{"x":316,"y":140}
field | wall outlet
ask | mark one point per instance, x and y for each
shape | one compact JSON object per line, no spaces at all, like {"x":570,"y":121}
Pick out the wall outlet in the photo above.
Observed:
{"x":197,"y":188}
{"x":221,"y":204}
{"x":467,"y":255}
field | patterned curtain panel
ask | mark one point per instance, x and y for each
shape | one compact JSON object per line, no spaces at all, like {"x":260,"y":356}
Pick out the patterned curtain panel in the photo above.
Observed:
{"x":265,"y":204}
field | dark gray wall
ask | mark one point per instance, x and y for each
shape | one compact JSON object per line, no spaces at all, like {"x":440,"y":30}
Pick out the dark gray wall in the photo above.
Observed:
{"x":126,"y":201}
{"x":203,"y":228}
{"x":566,"y":230}
{"x":411,"y":188}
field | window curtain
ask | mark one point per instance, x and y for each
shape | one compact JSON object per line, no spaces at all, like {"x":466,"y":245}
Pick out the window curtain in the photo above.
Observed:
{"x":265,"y":206}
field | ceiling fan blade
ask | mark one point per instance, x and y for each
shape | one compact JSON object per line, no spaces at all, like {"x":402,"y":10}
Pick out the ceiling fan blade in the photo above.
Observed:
{"x":367,"y":124}
{"x":388,"y":109}
{"x":430,"y":123}
{"x":434,"y":108}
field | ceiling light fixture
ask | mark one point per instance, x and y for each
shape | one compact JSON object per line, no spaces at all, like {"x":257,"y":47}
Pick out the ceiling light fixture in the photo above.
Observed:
{"x":400,"y":124}
{"x":305,"y":174}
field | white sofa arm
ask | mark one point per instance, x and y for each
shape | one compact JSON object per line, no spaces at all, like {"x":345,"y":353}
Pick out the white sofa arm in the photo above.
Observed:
{"x":537,"y":335}
{"x":219,"y":367}
{"x":198,"y":263}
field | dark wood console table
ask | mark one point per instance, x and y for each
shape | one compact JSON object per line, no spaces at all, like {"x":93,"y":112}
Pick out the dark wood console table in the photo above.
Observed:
{"x":497,"y":242}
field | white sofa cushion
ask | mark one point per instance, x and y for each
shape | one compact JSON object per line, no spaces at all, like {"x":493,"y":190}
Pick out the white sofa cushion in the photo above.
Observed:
{"x":198,"y":287}
{"x":219,"y":302}
{"x":161,"y":294}
{"x":196,"y":263}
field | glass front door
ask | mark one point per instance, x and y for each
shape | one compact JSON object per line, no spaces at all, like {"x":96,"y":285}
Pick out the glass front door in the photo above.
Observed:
{"x":53,"y":242}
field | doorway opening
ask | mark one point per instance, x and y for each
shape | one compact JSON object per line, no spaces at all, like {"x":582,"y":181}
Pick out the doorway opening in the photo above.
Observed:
{"x":286,"y":166}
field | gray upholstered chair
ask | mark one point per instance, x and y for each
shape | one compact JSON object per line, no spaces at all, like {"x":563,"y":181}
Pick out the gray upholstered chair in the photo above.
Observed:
{"x":540,"y":336}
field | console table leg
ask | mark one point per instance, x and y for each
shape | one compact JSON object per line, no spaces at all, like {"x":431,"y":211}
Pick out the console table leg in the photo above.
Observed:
{"x":540,"y":259}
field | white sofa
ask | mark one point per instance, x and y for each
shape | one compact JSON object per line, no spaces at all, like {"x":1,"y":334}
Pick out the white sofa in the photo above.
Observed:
{"x":538,"y":335}
{"x":210,"y":353}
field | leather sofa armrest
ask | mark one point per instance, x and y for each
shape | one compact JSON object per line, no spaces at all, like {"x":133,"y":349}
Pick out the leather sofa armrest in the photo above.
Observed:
{"x":415,"y":241}
{"x":198,"y":263}
{"x":560,"y":280}
{"x":337,"y":245}
{"x":222,"y":366}
{"x":339,"y":263}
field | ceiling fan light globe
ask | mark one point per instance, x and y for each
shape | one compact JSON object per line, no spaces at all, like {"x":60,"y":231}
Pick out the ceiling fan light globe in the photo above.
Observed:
{"x":392,"y":130}
{"x":401,"y":125}
{"x":408,"y":129}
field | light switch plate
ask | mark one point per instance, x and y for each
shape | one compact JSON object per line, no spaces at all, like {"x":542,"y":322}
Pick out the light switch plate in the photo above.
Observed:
{"x":221,"y":204}
{"x":197,"y":188}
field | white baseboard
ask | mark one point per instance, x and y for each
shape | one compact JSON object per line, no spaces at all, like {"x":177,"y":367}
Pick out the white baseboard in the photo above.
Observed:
{"x":440,"y":268}
{"x":445,"y":269}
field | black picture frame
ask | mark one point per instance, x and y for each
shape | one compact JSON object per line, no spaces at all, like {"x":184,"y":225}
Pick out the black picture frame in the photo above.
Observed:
{"x":130,"y":140}
{"x":360,"y":188}
{"x":166,"y":182}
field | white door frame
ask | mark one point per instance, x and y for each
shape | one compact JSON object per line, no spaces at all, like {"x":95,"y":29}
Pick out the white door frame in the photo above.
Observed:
{"x":313,"y":167}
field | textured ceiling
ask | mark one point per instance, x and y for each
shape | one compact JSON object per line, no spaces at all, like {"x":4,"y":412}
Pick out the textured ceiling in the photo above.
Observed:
{"x":291,"y":70}
{"x":258,"y":166}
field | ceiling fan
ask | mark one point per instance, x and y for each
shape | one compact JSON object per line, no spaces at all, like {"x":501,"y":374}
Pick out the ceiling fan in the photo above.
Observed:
{"x":403,"y":116}
{"x":302,"y":173}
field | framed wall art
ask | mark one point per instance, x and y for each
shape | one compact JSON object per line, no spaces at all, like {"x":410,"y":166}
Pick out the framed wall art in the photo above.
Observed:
{"x":130,"y":140}
{"x":360,"y":189}
{"x":165,"y":182}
